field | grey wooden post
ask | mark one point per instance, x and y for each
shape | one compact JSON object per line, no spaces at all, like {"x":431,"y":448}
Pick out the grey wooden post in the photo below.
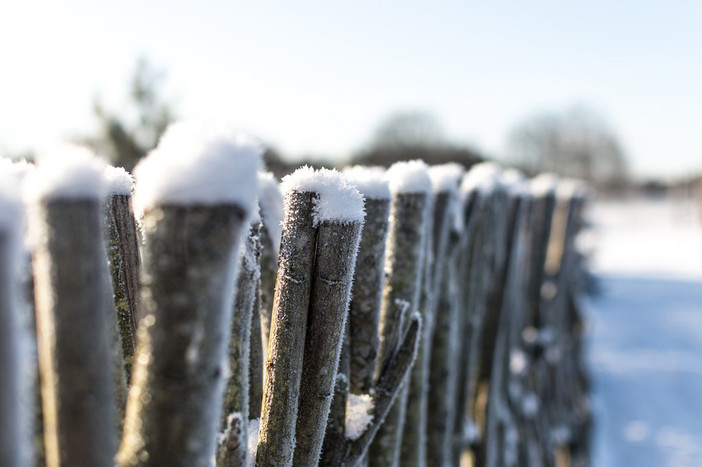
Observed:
{"x":276,"y":435}
{"x":233,"y":448}
{"x":15,"y":348}
{"x":337,"y":244}
{"x":72,"y":294}
{"x":444,"y":180}
{"x":411,"y":187}
{"x":124,"y":258}
{"x":196,"y":207}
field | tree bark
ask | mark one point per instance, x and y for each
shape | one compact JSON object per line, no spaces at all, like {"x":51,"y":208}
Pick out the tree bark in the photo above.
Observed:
{"x":337,"y":245}
{"x":276,"y":436}
{"x":189,"y":270}
{"x":405,"y":265}
{"x":72,"y":294}
{"x":233,"y":451}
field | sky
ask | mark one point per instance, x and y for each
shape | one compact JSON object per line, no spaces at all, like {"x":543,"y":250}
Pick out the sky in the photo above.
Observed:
{"x":316,"y":77}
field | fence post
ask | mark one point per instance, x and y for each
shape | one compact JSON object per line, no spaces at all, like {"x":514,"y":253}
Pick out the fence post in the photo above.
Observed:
{"x":196,"y":191}
{"x":15,"y":448}
{"x":233,"y":447}
{"x":72,"y":293}
{"x":411,"y":188}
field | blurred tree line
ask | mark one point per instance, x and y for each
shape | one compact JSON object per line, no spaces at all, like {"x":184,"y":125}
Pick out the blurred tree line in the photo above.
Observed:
{"x":576,"y":143}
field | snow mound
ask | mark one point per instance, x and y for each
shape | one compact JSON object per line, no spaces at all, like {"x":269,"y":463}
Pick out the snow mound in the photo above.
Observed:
{"x":358,"y":415}
{"x":482,"y":178}
{"x":409,"y":177}
{"x":544,"y":185}
{"x":68,"y":172}
{"x":198,"y":164}
{"x":270,"y":202}
{"x":119,"y":181}
{"x":370,"y":181}
{"x":446,"y":177}
{"x":337,"y":200}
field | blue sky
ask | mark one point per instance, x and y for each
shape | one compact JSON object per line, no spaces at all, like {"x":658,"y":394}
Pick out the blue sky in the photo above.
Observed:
{"x":316,"y":77}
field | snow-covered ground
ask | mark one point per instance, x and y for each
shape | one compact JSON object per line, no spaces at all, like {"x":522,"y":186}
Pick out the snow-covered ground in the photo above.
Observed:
{"x":646,"y":335}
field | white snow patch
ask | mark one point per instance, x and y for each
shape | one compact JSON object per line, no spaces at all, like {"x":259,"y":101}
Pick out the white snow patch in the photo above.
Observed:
{"x":198,"y":164}
{"x":358,"y":415}
{"x":483,"y":178}
{"x":544,"y":184}
{"x":72,"y":172}
{"x":370,"y":181}
{"x":252,"y":433}
{"x":270,"y":202}
{"x":446,"y":177}
{"x":119,"y":181}
{"x":514,"y":182}
{"x":337,"y":200}
{"x":409,"y":177}
{"x":11,"y":208}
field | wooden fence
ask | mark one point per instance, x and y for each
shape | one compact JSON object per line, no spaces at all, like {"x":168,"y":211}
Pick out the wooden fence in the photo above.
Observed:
{"x":415,"y":316}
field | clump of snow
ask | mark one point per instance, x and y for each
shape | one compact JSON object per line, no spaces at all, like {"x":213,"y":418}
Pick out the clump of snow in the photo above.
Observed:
{"x":119,"y":181}
{"x":544,"y":184}
{"x":72,"y":172}
{"x":514,"y":182}
{"x":483,"y":178}
{"x":571,"y":188}
{"x":336,"y":200}
{"x":252,"y":433}
{"x":409,"y":177}
{"x":198,"y":164}
{"x":446,"y":177}
{"x":370,"y":181}
{"x":270,"y":202}
{"x":358,"y":415}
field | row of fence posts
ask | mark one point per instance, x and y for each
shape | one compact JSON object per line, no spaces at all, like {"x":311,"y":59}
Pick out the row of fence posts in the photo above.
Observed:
{"x":410,"y":316}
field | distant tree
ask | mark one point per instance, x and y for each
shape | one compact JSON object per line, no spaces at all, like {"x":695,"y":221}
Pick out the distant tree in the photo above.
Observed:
{"x":412,"y":135}
{"x":576,"y":143}
{"x":125,"y":138}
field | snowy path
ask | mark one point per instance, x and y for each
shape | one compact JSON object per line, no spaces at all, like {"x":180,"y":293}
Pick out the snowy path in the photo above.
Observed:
{"x":646,"y":337}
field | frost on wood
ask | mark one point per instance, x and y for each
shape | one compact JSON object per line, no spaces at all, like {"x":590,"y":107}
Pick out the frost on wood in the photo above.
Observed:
{"x":335,"y":200}
{"x":236,"y":395}
{"x":359,"y":415}
{"x":276,"y":436}
{"x":337,"y":244}
{"x":409,"y":177}
{"x":405,"y":266}
{"x":197,"y":164}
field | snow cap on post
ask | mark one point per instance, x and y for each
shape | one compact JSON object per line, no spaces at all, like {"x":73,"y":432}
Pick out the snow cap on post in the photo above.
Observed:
{"x":370,"y":181}
{"x":514,"y":182}
{"x":118,"y":181}
{"x":446,"y":177}
{"x":544,"y":184}
{"x":68,"y":172}
{"x":196,"y":164}
{"x":483,"y":178}
{"x":409,"y":177}
{"x":337,"y":200}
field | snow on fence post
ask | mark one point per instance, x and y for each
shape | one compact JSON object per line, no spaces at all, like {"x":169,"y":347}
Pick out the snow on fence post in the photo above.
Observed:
{"x":15,"y":447}
{"x":442,"y":370}
{"x":233,"y":445}
{"x":411,"y":188}
{"x":444,"y":179}
{"x":283,"y":365}
{"x":123,"y":257}
{"x":196,"y":190}
{"x":339,"y":214}
{"x":270,"y":201}
{"x":72,"y":292}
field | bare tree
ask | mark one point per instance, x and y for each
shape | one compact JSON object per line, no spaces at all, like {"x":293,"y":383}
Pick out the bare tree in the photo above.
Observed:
{"x":574,"y":143}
